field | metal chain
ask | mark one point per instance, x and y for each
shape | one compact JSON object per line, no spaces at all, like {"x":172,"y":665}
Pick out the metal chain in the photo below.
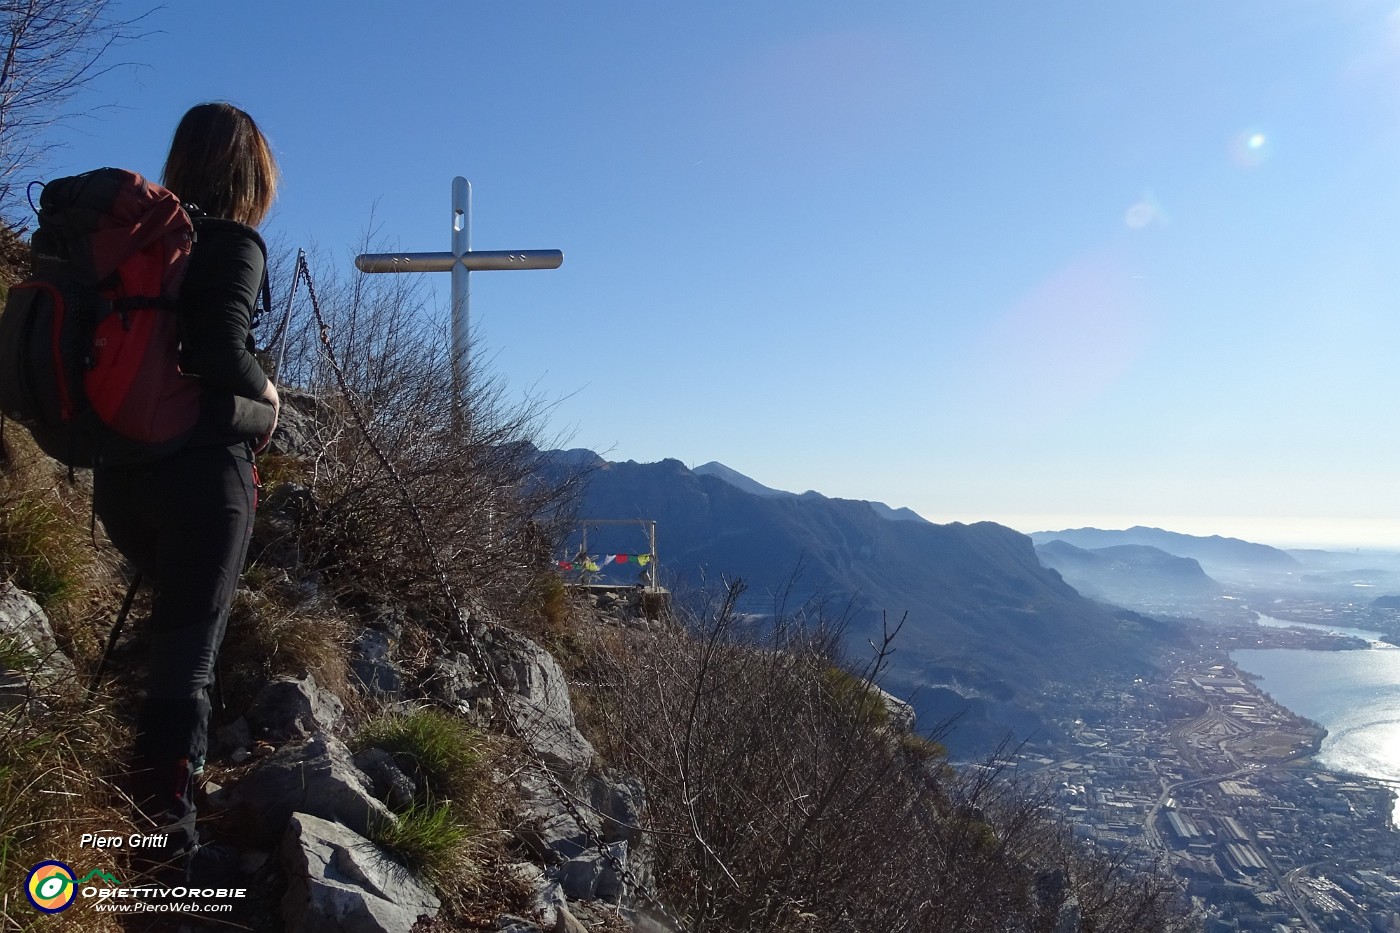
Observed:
{"x":478,"y":653}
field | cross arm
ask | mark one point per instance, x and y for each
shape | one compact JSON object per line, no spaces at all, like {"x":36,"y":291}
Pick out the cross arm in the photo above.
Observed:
{"x":484,"y":260}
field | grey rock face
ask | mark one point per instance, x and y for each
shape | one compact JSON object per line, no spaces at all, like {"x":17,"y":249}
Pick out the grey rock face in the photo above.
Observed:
{"x":456,"y":682}
{"x":373,"y":665}
{"x":570,"y":855}
{"x":317,"y":777}
{"x":24,"y":625}
{"x":901,"y":713}
{"x":509,"y":924}
{"x":293,"y":707}
{"x":546,"y":896}
{"x":339,"y":881}
{"x":235,"y":737}
{"x":620,"y":798}
{"x":538,"y":697}
{"x":391,"y":785}
{"x":300,"y":424}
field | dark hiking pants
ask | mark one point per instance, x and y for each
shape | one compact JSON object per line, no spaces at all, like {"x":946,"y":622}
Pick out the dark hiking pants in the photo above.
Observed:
{"x":184,"y":521}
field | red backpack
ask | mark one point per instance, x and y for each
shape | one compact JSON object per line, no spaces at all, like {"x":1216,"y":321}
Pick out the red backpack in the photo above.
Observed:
{"x":89,"y":345}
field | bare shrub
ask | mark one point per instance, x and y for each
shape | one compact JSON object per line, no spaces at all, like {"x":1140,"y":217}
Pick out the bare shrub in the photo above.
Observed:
{"x":401,"y":454}
{"x":782,"y":798}
{"x":49,"y":51}
{"x":54,"y":751}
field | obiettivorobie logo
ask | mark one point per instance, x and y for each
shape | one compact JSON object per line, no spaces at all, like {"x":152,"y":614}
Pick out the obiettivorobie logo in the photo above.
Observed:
{"x":51,"y":886}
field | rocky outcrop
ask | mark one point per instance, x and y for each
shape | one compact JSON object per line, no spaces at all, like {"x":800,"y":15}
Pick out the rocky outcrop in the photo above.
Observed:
{"x":307,"y":805}
{"x":901,"y":714}
{"x":303,"y":423}
{"x":536,"y":695}
{"x":317,"y":777}
{"x":337,"y":880}
{"x":390,"y":783}
{"x":293,"y":708}
{"x":611,"y":812}
{"x":36,"y":665}
{"x":371,"y":661}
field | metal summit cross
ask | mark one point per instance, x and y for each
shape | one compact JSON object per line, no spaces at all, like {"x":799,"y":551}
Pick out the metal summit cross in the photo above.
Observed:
{"x":461,"y":261}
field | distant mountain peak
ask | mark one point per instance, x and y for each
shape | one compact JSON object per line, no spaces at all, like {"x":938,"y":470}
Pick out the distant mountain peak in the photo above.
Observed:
{"x":736,"y":479}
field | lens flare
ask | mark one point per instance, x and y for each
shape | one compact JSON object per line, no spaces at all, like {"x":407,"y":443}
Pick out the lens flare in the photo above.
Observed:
{"x":1146,"y":211}
{"x":1251,"y":148}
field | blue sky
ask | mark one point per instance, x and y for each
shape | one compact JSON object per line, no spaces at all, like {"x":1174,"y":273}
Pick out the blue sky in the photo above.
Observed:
{"x":1045,"y":264}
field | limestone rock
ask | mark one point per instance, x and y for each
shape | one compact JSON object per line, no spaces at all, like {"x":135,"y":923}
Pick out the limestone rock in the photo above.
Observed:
{"x":302,"y":421}
{"x":235,"y":737}
{"x":373,"y":665}
{"x":546,"y":896}
{"x":512,"y":924}
{"x":293,"y":707}
{"x":24,"y":625}
{"x":566,"y":849}
{"x":901,"y":713}
{"x":568,"y":923}
{"x":536,"y":694}
{"x":620,"y":798}
{"x":547,"y":828}
{"x":391,"y":785}
{"x":317,"y":777}
{"x":339,"y":881}
{"x":538,"y":698}
{"x":456,"y":683}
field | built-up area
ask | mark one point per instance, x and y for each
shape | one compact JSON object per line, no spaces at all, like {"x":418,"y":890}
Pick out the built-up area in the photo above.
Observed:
{"x":1206,"y":774}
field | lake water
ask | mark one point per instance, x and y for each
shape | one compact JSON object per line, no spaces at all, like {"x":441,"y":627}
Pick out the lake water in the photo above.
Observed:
{"x":1271,"y":622}
{"x":1354,"y":694}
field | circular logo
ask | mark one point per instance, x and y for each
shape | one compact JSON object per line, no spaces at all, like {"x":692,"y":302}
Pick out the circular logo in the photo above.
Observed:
{"x":50,"y":887}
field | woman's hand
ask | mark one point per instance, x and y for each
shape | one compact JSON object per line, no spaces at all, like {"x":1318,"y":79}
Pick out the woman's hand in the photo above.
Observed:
{"x":269,"y":394}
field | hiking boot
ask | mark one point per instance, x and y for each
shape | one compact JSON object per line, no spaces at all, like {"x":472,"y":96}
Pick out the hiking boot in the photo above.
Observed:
{"x":215,"y":865}
{"x":163,"y":793}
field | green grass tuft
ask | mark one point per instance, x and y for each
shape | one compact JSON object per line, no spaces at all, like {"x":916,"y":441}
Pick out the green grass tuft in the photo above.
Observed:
{"x":14,"y":656}
{"x":430,"y":840}
{"x":444,"y":755}
{"x":40,"y":548}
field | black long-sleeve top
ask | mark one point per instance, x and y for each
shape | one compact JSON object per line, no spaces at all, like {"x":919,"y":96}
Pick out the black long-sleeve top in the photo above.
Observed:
{"x":217,"y":298}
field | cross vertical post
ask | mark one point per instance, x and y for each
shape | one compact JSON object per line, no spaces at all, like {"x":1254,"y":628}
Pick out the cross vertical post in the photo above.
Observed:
{"x":461,"y":261}
{"x":461,"y":283}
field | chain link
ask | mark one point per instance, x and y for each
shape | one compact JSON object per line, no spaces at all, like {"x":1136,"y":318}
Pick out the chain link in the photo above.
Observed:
{"x":499,"y":692}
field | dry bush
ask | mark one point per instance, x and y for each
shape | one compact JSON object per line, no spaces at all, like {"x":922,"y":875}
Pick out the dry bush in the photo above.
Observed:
{"x":268,"y":637}
{"x":780,"y":798}
{"x":54,"y":752}
{"x":466,"y":470}
{"x":46,"y":548}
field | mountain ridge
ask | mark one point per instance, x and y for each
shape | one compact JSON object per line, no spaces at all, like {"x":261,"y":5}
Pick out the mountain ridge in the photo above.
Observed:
{"x":984,"y":621}
{"x":1213,"y":552}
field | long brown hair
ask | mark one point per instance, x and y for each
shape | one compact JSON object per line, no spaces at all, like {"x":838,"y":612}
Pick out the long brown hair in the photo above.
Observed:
{"x":220,"y":161}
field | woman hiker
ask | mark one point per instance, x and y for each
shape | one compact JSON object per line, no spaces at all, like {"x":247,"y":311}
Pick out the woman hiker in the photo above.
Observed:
{"x":185,"y":521}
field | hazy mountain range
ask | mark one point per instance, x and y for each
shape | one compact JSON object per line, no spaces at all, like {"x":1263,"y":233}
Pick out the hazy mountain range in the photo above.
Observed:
{"x":1245,"y":570}
{"x":1212,"y":553}
{"x":1138,"y":576}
